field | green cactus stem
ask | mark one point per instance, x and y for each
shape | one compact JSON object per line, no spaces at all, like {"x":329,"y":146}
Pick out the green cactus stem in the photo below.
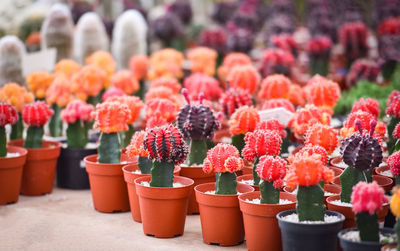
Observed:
{"x":76,"y":135}
{"x":94,"y":100}
{"x":34,"y":137}
{"x":310,"y":203}
{"x":238,"y":142}
{"x":17,"y":129}
{"x":269,"y":194}
{"x":368,"y":226}
{"x":162,"y":174}
{"x":127,"y":136}
{"x":349,"y":178}
{"x":109,"y":151}
{"x":256,"y":179}
{"x":390,"y":128}
{"x":144,"y":165}
{"x":142,"y":90}
{"x":397,"y":229}
{"x":55,"y":124}
{"x":285,"y":142}
{"x":3,"y":142}
{"x":226,"y":183}
{"x":197,"y":152}
{"x":319,"y":65}
{"x":388,"y":69}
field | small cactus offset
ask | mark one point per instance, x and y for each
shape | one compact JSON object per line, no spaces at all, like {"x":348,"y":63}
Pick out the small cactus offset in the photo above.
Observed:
{"x":36,"y":115}
{"x":8,"y":116}
{"x":322,"y":135}
{"x":258,"y":144}
{"x":110,"y":118}
{"x":305,"y":172}
{"x":11,"y":51}
{"x":271,"y":170}
{"x":395,"y":208}
{"x":394,"y":164}
{"x":197,"y":123}
{"x":367,"y":199}
{"x":166,"y":148}
{"x":224,"y":160}
{"x":361,"y":152}
{"x":233,"y":99}
{"x":319,"y":50}
{"x":77,"y":115}
{"x":136,"y":148}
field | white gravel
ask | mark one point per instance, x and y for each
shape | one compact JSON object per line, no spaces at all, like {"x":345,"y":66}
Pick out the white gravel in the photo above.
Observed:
{"x":354,"y":236}
{"x":247,"y":182}
{"x":147,"y":184}
{"x":258,"y":201}
{"x":341,"y":164}
{"x":325,"y":193}
{"x":294,"y":218}
{"x":387,"y":173}
{"x":11,"y":155}
{"x":137,"y":172}
{"x":340,"y":203}
{"x":213,"y":192}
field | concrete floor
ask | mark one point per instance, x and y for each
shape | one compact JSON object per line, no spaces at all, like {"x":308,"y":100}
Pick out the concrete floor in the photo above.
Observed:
{"x":66,"y":220}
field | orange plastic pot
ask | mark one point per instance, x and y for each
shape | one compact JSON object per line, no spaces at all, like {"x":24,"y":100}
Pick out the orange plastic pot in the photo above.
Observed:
{"x":241,"y":178}
{"x":40,"y":167}
{"x":197,"y":174}
{"x":109,"y":192}
{"x":220,"y":215}
{"x":163,"y":209}
{"x":336,"y":162}
{"x":248,"y":168}
{"x":130,"y":175}
{"x":381,"y":169}
{"x":11,"y":175}
{"x":350,"y":220}
{"x":260,"y":223}
{"x":385,"y":182}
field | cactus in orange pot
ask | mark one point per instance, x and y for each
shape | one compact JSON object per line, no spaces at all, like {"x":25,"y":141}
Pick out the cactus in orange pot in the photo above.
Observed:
{"x":136,"y":148}
{"x":8,"y":116}
{"x":272,"y":171}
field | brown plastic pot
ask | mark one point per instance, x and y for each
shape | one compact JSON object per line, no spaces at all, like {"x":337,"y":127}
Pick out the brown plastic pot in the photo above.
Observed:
{"x":260,"y":222}
{"x":330,"y":188}
{"x":11,"y":175}
{"x":385,"y":182}
{"x":129,"y":177}
{"x":349,"y":214}
{"x":220,"y":215}
{"x":197,"y":174}
{"x":381,"y":169}
{"x":40,"y":167}
{"x":247,"y":177}
{"x":164,"y":209}
{"x":109,"y":192}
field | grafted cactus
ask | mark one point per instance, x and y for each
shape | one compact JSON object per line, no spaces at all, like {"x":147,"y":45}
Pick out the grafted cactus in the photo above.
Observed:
{"x":393,"y":111}
{"x":58,"y":30}
{"x":11,"y":52}
{"x":36,"y":115}
{"x":166,"y":148}
{"x":90,"y":36}
{"x":8,"y":116}
{"x":310,"y":150}
{"x":224,"y":160}
{"x":277,"y":127}
{"x":319,"y":50}
{"x":234,"y":98}
{"x":136,"y":148}
{"x":276,"y":61}
{"x":275,"y":86}
{"x":271,"y":170}
{"x":369,"y":105}
{"x":362,"y":69}
{"x":197,"y":123}
{"x":198,"y":83}
{"x":285,"y":42}
{"x":240,"y":40}
{"x":361,"y":152}
{"x":322,"y":93}
{"x":129,"y":37}
{"x":353,"y":37}
{"x":394,"y":164}
{"x":215,"y":38}
{"x":322,"y":135}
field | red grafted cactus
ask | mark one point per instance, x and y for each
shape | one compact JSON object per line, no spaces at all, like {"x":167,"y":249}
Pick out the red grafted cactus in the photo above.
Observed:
{"x":234,"y":98}
{"x":36,"y":114}
{"x":319,"y":46}
{"x":155,"y":121}
{"x":275,"y":86}
{"x":310,"y":150}
{"x":243,"y":120}
{"x":353,"y":37}
{"x":285,"y":42}
{"x":349,"y":126}
{"x":279,"y":102}
{"x":308,"y":116}
{"x":393,"y":104}
{"x":394,"y":163}
{"x":390,"y":26}
{"x":362,"y":69}
{"x":276,"y":61}
{"x":198,"y":83}
{"x":272,"y":125}
{"x":261,"y":142}
{"x":296,"y":95}
{"x":322,"y":135}
{"x":369,"y":105}
{"x":231,"y":60}
{"x":271,"y":170}
{"x":245,"y":77}
{"x":396,"y":132}
{"x":322,"y":92}
{"x":8,"y":115}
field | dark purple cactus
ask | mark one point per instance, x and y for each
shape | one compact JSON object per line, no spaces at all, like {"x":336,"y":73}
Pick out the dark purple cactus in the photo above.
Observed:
{"x":196,"y":122}
{"x":168,"y":27}
{"x":278,"y":25}
{"x":240,"y":40}
{"x":222,"y":11}
{"x":245,"y":18}
{"x":182,"y":9}
{"x":215,"y":38}
{"x":362,"y":151}
{"x":362,"y":69}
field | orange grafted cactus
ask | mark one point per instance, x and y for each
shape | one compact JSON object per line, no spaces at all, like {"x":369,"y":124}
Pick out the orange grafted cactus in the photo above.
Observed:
{"x":243,"y":120}
{"x":275,"y":86}
{"x":88,"y":82}
{"x":111,"y":117}
{"x":245,"y":77}
{"x":322,"y":135}
{"x":59,"y":92}
{"x":16,"y":95}
{"x":38,"y":82}
{"x":126,"y":81}
{"x":203,"y":60}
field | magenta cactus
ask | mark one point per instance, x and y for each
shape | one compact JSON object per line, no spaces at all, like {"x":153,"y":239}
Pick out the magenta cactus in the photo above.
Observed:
{"x":353,"y":37}
{"x":276,"y":61}
{"x":8,"y":116}
{"x":394,"y":164}
{"x":362,"y":69}
{"x":233,"y":99}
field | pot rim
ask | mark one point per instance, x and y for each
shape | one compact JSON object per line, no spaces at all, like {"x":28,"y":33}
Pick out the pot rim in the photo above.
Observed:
{"x":337,"y":197}
{"x":86,"y":159}
{"x":242,"y":200}
{"x":55,"y":145}
{"x":138,"y":181}
{"x":329,"y":212}
{"x":24,"y":152}
{"x":343,"y":231}
{"x":196,"y":188}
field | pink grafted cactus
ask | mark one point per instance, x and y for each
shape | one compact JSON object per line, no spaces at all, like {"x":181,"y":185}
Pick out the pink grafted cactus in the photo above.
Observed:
{"x":393,"y":104}
{"x":233,"y":99}
{"x":367,"y":197}
{"x":8,"y":114}
{"x":353,"y":37}
{"x":77,"y":110}
{"x":276,"y":61}
{"x":112,"y":92}
{"x":222,"y":158}
{"x":272,"y":169}
{"x":272,"y":125}
{"x":36,"y":114}
{"x":201,"y":83}
{"x":396,"y":132}
{"x":394,"y":163}
{"x":369,"y":105}
{"x":279,"y":102}
{"x":261,"y":142}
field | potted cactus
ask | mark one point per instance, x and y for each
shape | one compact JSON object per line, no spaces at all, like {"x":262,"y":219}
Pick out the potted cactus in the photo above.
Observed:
{"x":260,"y":208}
{"x":395,"y":209}
{"x":12,"y":158}
{"x":162,"y":194}
{"x":367,"y":200}
{"x":18,"y":96}
{"x":394,"y":165}
{"x":258,"y":144}
{"x":221,"y":219}
{"x":310,"y":226}
{"x":197,"y":124}
{"x":322,"y":135}
{"x":393,"y":111}
{"x":276,"y":61}
{"x":11,"y":51}
{"x":353,"y":38}
{"x":106,"y":179}
{"x":41,"y":162}
{"x":70,"y":169}
{"x":362,"y":153}
{"x":319,"y":50}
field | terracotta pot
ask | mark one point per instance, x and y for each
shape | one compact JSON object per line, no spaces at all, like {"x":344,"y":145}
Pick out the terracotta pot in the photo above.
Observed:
{"x":109,"y":192}
{"x":260,"y":222}
{"x":247,"y":177}
{"x":385,"y":182}
{"x":336,"y":170}
{"x":164,"y":209}
{"x":330,"y":188}
{"x":220,"y":135}
{"x":40,"y":167}
{"x":11,"y":175}
{"x":129,"y":177}
{"x":197,"y":174}
{"x":389,"y":247}
{"x":348,"y":212}
{"x":220,"y":216}
{"x":248,"y":168}
{"x":335,"y":162}
{"x":381,"y":169}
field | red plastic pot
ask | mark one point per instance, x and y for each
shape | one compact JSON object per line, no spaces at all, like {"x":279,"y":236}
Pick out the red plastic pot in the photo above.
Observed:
{"x":40,"y":167}
{"x":11,"y":175}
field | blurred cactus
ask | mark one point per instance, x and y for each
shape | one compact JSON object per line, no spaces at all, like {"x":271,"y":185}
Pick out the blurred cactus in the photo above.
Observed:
{"x":362,"y":69}
{"x":233,"y":99}
{"x":11,"y":52}
{"x":79,"y":8}
{"x":182,"y":9}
